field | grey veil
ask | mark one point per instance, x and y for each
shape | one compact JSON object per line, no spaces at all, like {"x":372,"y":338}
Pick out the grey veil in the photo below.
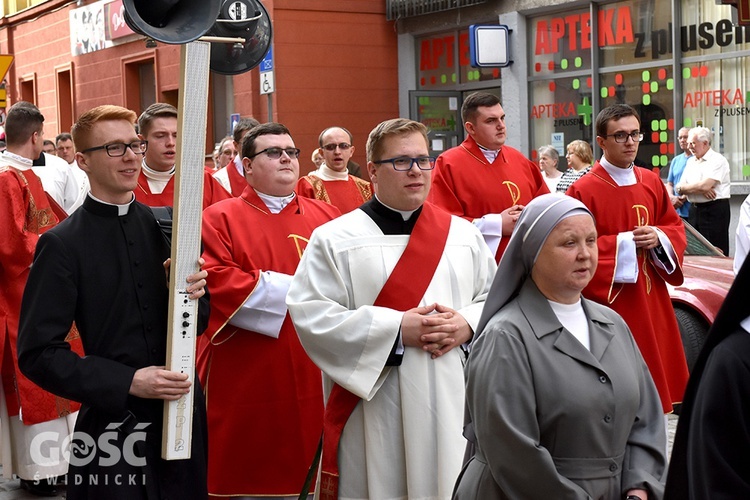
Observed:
{"x":536,"y":222}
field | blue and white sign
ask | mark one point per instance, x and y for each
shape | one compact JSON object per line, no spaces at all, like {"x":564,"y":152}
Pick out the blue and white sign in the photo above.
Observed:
{"x":266,"y":64}
{"x":267,"y":85}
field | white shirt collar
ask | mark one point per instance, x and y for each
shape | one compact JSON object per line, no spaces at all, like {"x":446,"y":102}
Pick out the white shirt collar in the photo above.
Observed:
{"x":157,"y":175}
{"x":121,"y":209}
{"x":275,"y":204}
{"x":328,"y":174}
{"x":23,"y":161}
{"x":621,"y":176}
{"x":405,"y":214}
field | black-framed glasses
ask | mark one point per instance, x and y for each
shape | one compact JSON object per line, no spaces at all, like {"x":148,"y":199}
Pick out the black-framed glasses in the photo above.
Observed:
{"x":403,"y":163}
{"x":117,"y":149}
{"x":275,"y":153}
{"x":623,"y":136}
{"x":343,"y":146}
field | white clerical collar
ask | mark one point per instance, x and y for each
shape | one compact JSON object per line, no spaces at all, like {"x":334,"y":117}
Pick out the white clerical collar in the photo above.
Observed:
{"x":328,"y":174}
{"x":121,"y":209}
{"x":238,"y":164}
{"x":21,"y":159}
{"x":489,"y":154}
{"x":621,"y":176}
{"x":157,"y":175}
{"x":405,"y":214}
{"x":275,"y":203}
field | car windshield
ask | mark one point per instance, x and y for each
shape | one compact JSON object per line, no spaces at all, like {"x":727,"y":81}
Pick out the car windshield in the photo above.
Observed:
{"x":697,"y":244}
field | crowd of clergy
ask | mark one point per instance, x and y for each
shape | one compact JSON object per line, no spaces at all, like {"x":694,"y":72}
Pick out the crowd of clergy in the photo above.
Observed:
{"x":445,"y":328}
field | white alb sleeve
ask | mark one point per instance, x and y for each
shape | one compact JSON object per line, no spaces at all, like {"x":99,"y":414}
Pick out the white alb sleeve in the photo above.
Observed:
{"x":491,"y":227}
{"x":670,"y":265}
{"x":626,"y":266}
{"x":265,"y":309}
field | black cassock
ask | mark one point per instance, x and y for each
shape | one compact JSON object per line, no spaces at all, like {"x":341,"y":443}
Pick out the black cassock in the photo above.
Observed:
{"x":711,"y":452}
{"x":105,"y":271}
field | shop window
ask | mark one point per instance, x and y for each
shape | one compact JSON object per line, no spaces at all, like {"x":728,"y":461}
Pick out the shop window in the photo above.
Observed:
{"x":65,"y":99}
{"x":561,"y":43}
{"x":444,"y":62}
{"x":649,"y":91}
{"x":634,"y":31}
{"x":707,"y":29}
{"x":560,"y":112}
{"x":715,"y":96}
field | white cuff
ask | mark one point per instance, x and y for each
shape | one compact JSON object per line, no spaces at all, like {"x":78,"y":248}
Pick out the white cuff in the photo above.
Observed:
{"x":491,"y":227}
{"x":265,"y":309}
{"x":671,"y":265}
{"x":626,"y":266}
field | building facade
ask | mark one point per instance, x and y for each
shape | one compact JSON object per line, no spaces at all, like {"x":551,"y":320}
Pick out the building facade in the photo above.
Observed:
{"x":678,"y":62}
{"x":335,"y":63}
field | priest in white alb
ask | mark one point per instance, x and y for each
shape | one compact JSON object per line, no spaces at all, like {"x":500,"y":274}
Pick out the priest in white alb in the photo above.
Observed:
{"x":385,"y":301}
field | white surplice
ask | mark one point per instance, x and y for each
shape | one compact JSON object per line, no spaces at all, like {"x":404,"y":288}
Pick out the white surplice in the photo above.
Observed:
{"x":404,"y":439}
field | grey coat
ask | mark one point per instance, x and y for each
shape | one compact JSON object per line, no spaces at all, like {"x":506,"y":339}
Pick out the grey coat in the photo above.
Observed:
{"x":553,"y":420}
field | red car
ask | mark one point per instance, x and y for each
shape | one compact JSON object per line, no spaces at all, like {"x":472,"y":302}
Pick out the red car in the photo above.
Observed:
{"x":708,"y":276}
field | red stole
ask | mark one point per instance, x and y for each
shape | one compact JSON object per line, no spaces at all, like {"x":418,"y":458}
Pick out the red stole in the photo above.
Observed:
{"x":403,"y":290}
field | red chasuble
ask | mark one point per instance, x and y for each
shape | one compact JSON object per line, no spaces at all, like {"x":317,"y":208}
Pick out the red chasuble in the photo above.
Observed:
{"x":464,"y":184}
{"x":25,"y":213}
{"x":645,"y":305}
{"x":264,"y":396}
{"x":212,"y":192}
{"x":404,"y":289}
{"x":344,"y":195}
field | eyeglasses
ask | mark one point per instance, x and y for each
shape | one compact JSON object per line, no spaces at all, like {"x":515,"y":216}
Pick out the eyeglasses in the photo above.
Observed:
{"x":118,"y":149}
{"x":404,"y":163}
{"x":275,"y":153}
{"x":343,"y":146}
{"x":623,"y":136}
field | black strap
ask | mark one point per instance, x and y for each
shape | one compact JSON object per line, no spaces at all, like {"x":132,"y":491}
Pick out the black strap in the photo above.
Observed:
{"x":163,"y":216}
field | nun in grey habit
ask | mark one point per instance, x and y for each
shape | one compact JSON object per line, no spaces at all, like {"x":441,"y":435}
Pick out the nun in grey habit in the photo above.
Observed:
{"x":560,"y":404}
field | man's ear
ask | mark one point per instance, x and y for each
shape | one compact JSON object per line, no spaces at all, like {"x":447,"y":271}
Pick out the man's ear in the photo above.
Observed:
{"x":247,"y":165}
{"x":372,"y":171}
{"x":469,"y":128}
{"x":82,"y":162}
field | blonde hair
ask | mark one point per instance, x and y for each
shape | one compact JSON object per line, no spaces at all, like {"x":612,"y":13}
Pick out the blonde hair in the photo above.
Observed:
{"x":389,"y":128}
{"x":582,"y":149}
{"x":82,"y":128}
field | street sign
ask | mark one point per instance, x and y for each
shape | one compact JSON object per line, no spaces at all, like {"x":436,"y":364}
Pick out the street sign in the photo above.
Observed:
{"x":266,"y":82}
{"x":489,"y":46}
{"x":5,"y":62}
{"x":267,"y":85}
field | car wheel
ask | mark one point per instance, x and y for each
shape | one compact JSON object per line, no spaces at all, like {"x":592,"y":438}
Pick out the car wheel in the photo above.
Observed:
{"x":693,"y":330}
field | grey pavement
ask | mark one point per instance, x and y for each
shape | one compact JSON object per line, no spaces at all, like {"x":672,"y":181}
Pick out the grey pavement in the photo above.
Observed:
{"x":11,"y":489}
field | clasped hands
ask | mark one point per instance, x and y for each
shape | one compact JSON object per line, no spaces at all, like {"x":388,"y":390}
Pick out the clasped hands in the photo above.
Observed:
{"x":435,"y":329}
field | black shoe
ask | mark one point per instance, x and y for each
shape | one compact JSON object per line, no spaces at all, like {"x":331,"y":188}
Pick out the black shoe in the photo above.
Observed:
{"x":41,"y":488}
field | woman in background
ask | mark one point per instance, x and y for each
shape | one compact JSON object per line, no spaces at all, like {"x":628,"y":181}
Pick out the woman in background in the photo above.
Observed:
{"x":579,"y":159}
{"x":548,"y":160}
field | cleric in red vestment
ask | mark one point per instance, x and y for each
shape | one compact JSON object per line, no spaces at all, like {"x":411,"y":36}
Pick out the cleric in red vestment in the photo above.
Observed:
{"x":482,"y":179}
{"x":158,"y":126}
{"x":641,"y":245}
{"x":332,"y":182}
{"x":265,"y":404}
